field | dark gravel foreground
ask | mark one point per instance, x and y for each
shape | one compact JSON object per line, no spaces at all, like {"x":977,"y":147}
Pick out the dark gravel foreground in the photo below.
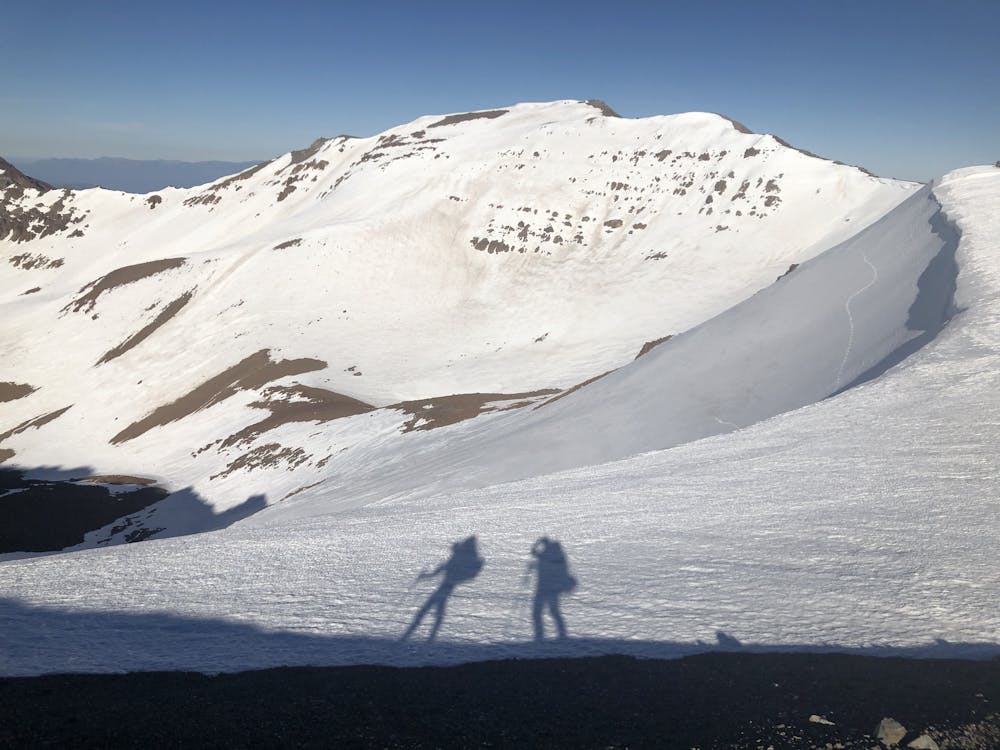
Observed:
{"x":718,"y":700}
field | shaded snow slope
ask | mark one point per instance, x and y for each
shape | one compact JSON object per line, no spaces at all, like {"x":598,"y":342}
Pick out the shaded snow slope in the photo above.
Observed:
{"x":866,"y":521}
{"x":313,"y":317}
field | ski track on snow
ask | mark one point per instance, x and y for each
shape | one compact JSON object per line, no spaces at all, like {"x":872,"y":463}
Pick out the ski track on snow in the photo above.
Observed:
{"x":850,"y":319}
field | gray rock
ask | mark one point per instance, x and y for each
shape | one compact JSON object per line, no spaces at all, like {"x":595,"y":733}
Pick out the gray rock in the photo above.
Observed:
{"x":923,"y":742}
{"x":889,"y":732}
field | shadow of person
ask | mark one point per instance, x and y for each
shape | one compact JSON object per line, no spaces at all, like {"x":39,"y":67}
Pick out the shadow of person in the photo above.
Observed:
{"x":552,"y":579}
{"x":463,"y":565}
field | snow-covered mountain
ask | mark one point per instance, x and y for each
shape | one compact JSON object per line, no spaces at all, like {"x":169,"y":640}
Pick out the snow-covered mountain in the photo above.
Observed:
{"x":367,"y":350}
{"x":319,"y":325}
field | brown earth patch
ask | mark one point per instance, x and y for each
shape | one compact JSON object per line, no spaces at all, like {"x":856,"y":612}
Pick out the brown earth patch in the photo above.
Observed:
{"x":575,"y":388}
{"x":35,"y":423}
{"x":154,"y":201}
{"x":266,"y":457}
{"x":307,"y":153}
{"x":142,"y":334}
{"x":249,"y":374}
{"x":32,"y":290}
{"x":447,"y":410}
{"x":603,"y":107}
{"x":14,"y":391}
{"x":6,"y":453}
{"x":115,"y":479}
{"x":650,"y":345}
{"x":489,"y":114}
{"x":297,"y":403}
{"x":739,"y":126}
{"x":790,"y":269}
{"x":120,"y":277}
{"x":27,"y":261}
{"x":288,"y":243}
{"x":210,"y":197}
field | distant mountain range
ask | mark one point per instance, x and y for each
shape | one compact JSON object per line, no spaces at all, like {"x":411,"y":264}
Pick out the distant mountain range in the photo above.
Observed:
{"x":129,"y":175}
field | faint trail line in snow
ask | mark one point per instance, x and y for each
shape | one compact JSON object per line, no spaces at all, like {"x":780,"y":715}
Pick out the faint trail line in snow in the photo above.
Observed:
{"x":850,"y":319}
{"x":725,"y":423}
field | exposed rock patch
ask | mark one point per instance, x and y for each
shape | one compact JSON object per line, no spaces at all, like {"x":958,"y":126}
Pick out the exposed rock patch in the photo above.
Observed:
{"x":35,"y":423}
{"x":650,"y":345}
{"x":251,"y":373}
{"x":28,"y":261}
{"x":489,"y":114}
{"x":602,"y":107}
{"x":431,"y":413}
{"x":297,"y":403}
{"x":13,"y":391}
{"x":142,"y":334}
{"x":266,"y":456}
{"x":120,"y":277}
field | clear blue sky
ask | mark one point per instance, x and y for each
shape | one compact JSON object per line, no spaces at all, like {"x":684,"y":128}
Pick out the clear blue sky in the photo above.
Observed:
{"x":908,"y":88}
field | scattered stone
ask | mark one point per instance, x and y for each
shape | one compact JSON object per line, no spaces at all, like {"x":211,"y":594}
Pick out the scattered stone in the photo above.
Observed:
{"x":890,"y":732}
{"x":815,"y":719}
{"x":923,"y":742}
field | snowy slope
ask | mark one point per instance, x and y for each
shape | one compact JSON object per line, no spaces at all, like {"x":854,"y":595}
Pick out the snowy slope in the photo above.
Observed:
{"x":307,"y":320}
{"x":865,"y":522}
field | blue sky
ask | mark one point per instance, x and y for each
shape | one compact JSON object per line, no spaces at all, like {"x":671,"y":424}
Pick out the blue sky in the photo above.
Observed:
{"x":908,"y":88}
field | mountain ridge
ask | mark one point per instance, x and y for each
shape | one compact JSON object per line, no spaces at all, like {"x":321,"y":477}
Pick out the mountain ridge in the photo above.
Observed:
{"x":446,"y":274}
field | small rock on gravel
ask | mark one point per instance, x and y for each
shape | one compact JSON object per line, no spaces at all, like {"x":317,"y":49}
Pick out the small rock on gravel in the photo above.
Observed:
{"x":889,"y":732}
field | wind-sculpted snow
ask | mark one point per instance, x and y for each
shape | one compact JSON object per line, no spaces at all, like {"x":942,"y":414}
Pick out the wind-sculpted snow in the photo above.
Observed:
{"x":441,"y":279}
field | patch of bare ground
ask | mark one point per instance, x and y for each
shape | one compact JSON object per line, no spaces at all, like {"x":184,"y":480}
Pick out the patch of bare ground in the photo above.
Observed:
{"x":431,"y":413}
{"x":21,"y":222}
{"x":142,"y":334}
{"x":650,"y":345}
{"x":739,"y":126}
{"x":115,"y":479}
{"x":209,"y":195}
{"x":790,"y":269}
{"x":120,"y":277}
{"x":266,"y":456}
{"x":488,"y":114}
{"x":43,"y":516}
{"x":28,"y":261}
{"x":11,"y":176}
{"x":603,"y":107}
{"x":297,"y":403}
{"x":35,"y":423}
{"x":250,"y":373}
{"x":709,"y":701}
{"x":5,"y":454}
{"x":14,"y":391}
{"x":288,"y":243}
{"x":575,"y":388}
{"x":786,"y":144}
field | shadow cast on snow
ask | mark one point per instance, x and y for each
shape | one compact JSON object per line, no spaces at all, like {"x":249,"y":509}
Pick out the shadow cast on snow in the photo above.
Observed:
{"x":934,"y":306}
{"x":49,"y":509}
{"x":41,"y":640}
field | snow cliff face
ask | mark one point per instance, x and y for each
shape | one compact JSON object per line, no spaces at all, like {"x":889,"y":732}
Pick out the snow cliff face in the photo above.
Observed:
{"x":395,"y":314}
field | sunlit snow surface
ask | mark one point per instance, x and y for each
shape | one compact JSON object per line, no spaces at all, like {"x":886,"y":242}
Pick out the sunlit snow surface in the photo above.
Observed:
{"x":867,"y":521}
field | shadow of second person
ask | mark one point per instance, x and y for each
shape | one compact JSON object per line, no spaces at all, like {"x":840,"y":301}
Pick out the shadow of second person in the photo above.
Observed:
{"x":463,"y":565}
{"x":552,"y":579}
